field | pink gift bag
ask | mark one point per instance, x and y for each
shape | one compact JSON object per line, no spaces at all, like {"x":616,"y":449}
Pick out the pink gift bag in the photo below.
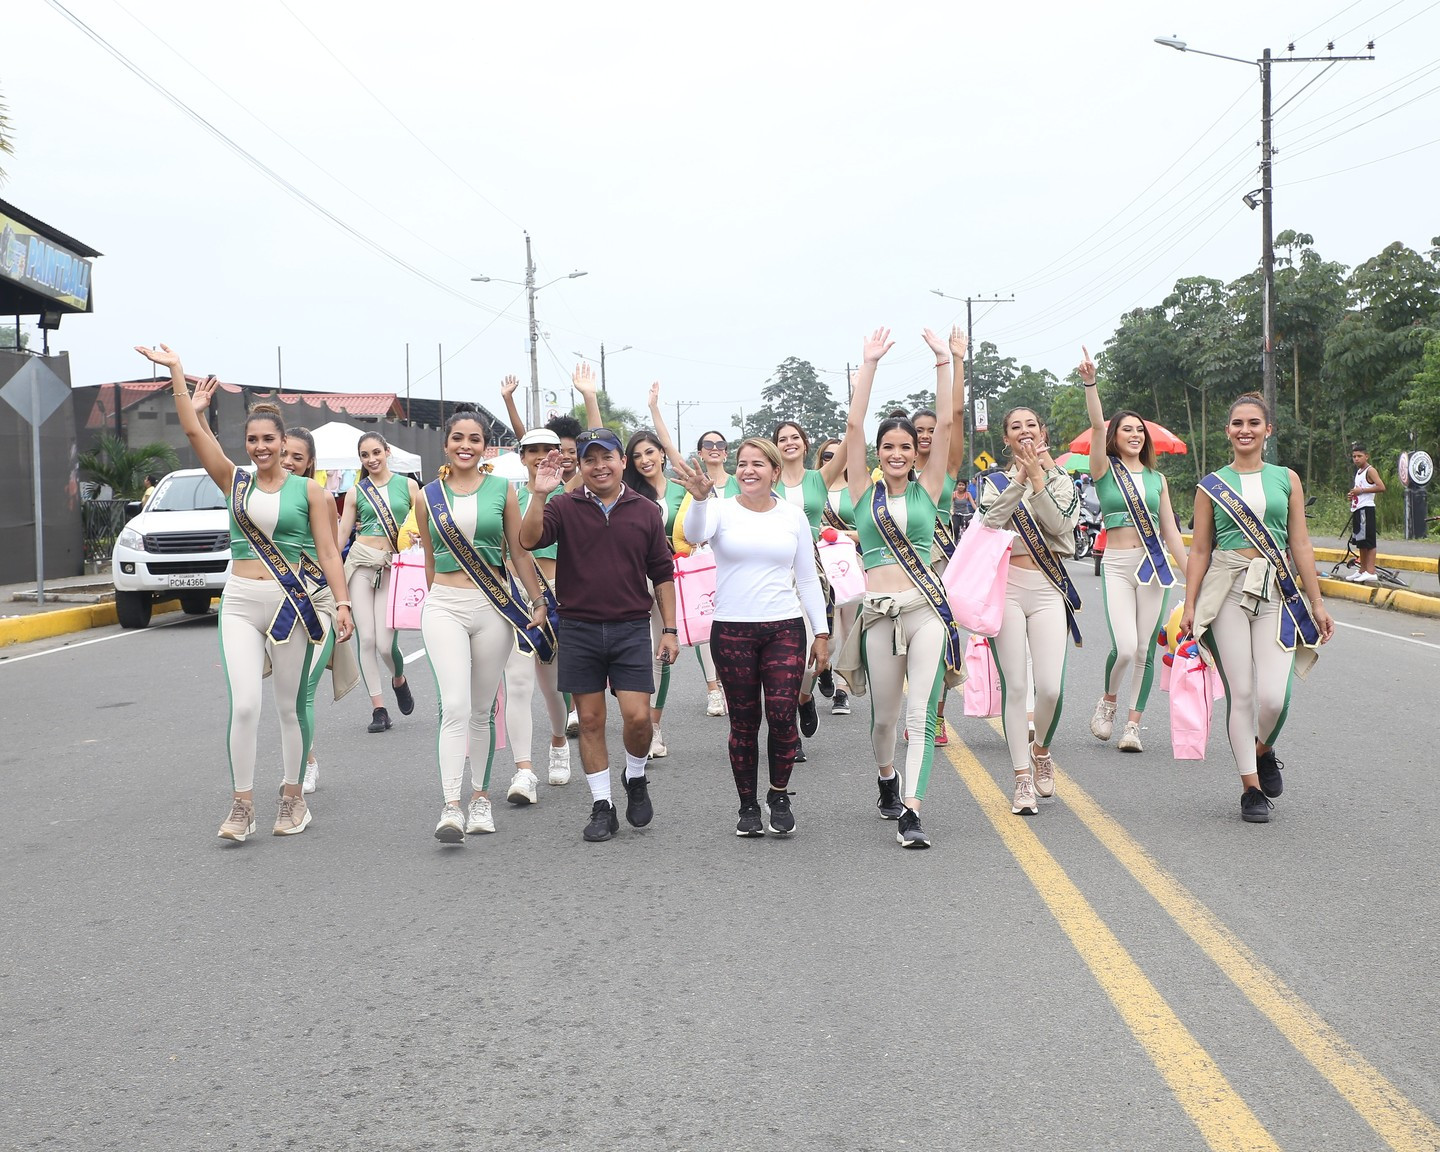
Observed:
{"x":1193,"y":692}
{"x":407,"y":590}
{"x":976,"y":575}
{"x":695,"y":596}
{"x":842,"y":568}
{"x":982,"y":679}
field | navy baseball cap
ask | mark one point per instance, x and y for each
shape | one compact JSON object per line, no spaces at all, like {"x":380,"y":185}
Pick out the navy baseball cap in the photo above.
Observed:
{"x":604,"y":437}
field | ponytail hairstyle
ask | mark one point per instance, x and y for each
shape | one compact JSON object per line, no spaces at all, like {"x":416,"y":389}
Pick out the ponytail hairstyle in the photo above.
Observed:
{"x":266,"y":410}
{"x":462,"y":411}
{"x":1251,"y":398}
{"x":304,"y":436}
{"x":1112,"y":437}
{"x":632,"y":477}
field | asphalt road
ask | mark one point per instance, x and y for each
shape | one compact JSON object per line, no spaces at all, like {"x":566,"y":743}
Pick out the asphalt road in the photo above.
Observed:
{"x":1133,"y":969}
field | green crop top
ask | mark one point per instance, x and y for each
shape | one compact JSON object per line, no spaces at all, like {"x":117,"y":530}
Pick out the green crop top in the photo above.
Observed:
{"x":1112,"y":504}
{"x":919,"y":526}
{"x":485,"y":509}
{"x":672,"y":498}
{"x":839,"y":500}
{"x":1268,"y":494}
{"x":813,"y":494}
{"x":523,"y":494}
{"x":287,"y":510}
{"x":395,"y":493}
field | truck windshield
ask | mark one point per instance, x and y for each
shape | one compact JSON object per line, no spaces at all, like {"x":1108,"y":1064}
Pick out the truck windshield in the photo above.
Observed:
{"x":186,"y":494}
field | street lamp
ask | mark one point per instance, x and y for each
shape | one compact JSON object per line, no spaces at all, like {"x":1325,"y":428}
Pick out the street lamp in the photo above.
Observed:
{"x":532,"y":415}
{"x":1266,"y":198}
{"x":617,"y":352}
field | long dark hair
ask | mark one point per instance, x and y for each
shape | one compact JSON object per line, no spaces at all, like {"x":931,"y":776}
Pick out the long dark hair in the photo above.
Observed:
{"x":1112,"y":435}
{"x":804,"y":436}
{"x":631,"y":476}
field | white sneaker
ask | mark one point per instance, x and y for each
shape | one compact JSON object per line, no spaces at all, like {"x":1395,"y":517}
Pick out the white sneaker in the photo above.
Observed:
{"x":715,"y":703}
{"x":451,"y":829}
{"x":312,"y":777}
{"x":1356,"y":577}
{"x":1102,"y":724}
{"x":1369,"y":578}
{"x":1130,"y":738}
{"x":479,"y":818}
{"x":657,"y":746}
{"x":522,"y":789}
{"x":560,"y":765}
{"x":572,"y":724}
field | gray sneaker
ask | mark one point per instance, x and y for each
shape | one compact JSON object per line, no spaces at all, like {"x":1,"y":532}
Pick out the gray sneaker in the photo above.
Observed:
{"x":451,"y":829}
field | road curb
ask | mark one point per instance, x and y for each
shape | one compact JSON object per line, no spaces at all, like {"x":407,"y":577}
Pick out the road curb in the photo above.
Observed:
{"x":43,"y":625}
{"x":1395,"y":599}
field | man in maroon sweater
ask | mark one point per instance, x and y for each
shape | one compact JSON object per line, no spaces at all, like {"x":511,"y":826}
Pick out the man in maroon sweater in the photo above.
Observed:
{"x":610,"y":542}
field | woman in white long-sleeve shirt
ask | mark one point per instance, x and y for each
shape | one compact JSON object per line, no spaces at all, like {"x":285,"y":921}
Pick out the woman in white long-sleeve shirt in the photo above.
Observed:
{"x":766,"y":588}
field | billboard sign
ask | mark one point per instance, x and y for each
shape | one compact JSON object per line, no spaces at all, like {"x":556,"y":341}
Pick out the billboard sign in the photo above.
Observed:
{"x":44,"y":267}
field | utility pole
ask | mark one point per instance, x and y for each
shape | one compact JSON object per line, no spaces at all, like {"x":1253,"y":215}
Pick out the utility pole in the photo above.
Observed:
{"x":849,"y":383}
{"x":1267,"y":252}
{"x":440,"y":363}
{"x":279,"y":371}
{"x":407,"y":383}
{"x":970,"y":302}
{"x":604,"y":390}
{"x":682,"y":406}
{"x":534,"y":414}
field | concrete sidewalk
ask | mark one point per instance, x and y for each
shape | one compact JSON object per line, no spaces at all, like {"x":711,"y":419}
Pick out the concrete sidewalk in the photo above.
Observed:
{"x":72,"y":604}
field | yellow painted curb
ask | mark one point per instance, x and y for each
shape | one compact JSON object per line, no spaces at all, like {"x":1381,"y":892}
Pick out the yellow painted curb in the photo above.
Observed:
{"x":1395,"y":599}
{"x":42,"y":625}
{"x":1334,"y":555}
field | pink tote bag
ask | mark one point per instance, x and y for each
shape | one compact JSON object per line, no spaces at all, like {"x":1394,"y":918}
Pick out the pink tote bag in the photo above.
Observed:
{"x":1193,"y":692}
{"x":407,"y":590}
{"x":695,"y":596}
{"x":841,"y":561}
{"x":982,"y":679}
{"x":975,"y":578}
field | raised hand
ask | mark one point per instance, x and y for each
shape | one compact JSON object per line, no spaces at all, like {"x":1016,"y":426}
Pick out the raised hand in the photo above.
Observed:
{"x":549,"y":474}
{"x":204,"y":393}
{"x":694,"y":478}
{"x":877,"y":345}
{"x":959,"y":342}
{"x":655,"y":394}
{"x":508,"y":386}
{"x":584,"y":379}
{"x":165,"y":356}
{"x":937,"y":345}
{"x":1086,"y":368}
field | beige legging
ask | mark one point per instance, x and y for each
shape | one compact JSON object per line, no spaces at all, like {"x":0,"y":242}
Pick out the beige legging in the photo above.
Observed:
{"x":1034,"y":612}
{"x":377,"y":641}
{"x":1132,"y":613}
{"x":1256,"y":672}
{"x":246,"y":610}
{"x":467,"y":642}
{"x":844,"y":622}
{"x":522,"y":671}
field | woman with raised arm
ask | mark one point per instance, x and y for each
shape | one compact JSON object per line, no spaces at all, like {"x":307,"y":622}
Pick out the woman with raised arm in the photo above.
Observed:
{"x":380,"y":501}
{"x":266,"y":609}
{"x":1037,"y":500}
{"x":839,"y":514}
{"x":1242,"y":602}
{"x":1135,"y":507}
{"x":905,"y":632}
{"x":470,"y":525}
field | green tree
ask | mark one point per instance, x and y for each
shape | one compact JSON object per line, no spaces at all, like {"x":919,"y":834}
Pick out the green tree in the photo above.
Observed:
{"x":123,"y":469}
{"x":1068,"y":418}
{"x":624,"y":421}
{"x":910,"y":403}
{"x":7,"y":339}
{"x":796,"y":393}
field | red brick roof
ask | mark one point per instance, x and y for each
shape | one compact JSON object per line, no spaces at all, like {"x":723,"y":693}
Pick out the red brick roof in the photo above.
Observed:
{"x":133,"y":392}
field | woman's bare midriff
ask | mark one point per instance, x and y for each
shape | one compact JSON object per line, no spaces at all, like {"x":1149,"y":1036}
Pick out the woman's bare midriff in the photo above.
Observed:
{"x":1023,"y":560}
{"x":379,"y":543}
{"x":887,"y":578}
{"x":1125,"y":537}
{"x":250,"y":570}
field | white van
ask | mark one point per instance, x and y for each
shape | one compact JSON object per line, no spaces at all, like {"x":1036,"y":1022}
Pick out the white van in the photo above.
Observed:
{"x":178,"y":547}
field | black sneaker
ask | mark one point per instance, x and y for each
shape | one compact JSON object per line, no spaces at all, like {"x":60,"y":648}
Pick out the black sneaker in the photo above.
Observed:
{"x":782,"y":820}
{"x":379,"y":721}
{"x":809,"y":718}
{"x":1255,"y":807}
{"x":1269,"y":769}
{"x":799,"y":752}
{"x":604,"y":823}
{"x":840,"y":706}
{"x":750,"y":823}
{"x":826,"y":683}
{"x":908,"y":832}
{"x":890,"y":805}
{"x":403,"y":697}
{"x":638,"y":810}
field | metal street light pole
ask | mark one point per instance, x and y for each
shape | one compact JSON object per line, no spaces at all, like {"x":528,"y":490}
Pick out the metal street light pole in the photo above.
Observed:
{"x":603,"y":389}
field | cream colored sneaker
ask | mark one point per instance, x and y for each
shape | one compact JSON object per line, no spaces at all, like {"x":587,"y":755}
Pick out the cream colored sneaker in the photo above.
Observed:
{"x":522,"y":788}
{"x":657,"y":746}
{"x":560,"y":765}
{"x":293,"y":817}
{"x":240,"y":823}
{"x":312,"y":777}
{"x":1024,"y":803}
{"x":715,"y":703}
{"x":1130,"y":738}
{"x":1102,"y":724}
{"x":479,"y":818}
{"x":1044,"y":769}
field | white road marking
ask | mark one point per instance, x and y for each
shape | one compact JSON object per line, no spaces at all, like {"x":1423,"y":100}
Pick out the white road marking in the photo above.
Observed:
{"x":1387,"y":635}
{"x":98,"y":640}
{"x":413,"y":655}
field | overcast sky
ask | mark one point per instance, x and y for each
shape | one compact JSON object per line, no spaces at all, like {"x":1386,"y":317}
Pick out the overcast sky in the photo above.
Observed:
{"x":770,"y":180}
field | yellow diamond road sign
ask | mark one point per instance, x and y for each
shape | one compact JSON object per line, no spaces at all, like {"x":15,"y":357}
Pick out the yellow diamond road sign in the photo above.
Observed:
{"x":984,"y":460}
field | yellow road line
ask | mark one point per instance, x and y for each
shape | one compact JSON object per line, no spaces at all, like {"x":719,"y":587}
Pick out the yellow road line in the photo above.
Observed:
{"x":1208,"y":1098}
{"x":1384,"y":1107}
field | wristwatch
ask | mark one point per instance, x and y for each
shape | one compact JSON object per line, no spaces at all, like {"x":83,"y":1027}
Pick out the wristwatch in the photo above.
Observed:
{"x":671,"y":631}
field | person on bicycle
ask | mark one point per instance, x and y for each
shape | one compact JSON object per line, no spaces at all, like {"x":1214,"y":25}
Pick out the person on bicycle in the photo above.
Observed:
{"x":1362,"y":513}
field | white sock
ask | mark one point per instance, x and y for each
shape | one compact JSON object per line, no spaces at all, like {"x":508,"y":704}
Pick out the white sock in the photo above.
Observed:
{"x":599,"y":784}
{"x":634,"y":765}
{"x":889,"y":777}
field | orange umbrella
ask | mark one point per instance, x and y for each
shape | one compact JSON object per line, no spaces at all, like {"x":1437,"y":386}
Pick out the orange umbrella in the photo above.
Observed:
{"x":1163,"y":439}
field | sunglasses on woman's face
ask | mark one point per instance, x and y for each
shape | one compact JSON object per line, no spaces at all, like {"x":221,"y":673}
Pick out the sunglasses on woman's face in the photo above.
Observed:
{"x":826,"y":457}
{"x":713,"y":445}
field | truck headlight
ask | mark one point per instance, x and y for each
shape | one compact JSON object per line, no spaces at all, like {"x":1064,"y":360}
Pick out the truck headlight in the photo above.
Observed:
{"x":131,"y":539}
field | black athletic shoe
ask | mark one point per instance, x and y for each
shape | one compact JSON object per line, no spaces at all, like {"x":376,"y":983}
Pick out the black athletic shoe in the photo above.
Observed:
{"x":826,"y":683}
{"x":403,"y":698}
{"x":638,"y":810}
{"x":379,"y":721}
{"x":809,"y":718}
{"x":1255,"y":807}
{"x":908,"y":832}
{"x":890,"y":805}
{"x":1269,"y":769}
{"x":799,"y":752}
{"x":604,"y":823}
{"x":782,"y":820}
{"x":750,"y":823}
{"x":840,"y":706}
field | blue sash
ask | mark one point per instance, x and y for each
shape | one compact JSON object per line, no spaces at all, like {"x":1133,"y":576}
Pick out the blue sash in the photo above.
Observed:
{"x":1155,"y":565}
{"x":920,"y":573}
{"x":552,"y":611}
{"x":1049,"y":564}
{"x":296,"y":605}
{"x":945,"y":538}
{"x":504,"y":594}
{"x":1295,"y":622}
{"x":386,"y":518}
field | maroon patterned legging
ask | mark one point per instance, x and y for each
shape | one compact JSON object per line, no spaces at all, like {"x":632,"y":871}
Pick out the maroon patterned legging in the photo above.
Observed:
{"x":749,"y":657}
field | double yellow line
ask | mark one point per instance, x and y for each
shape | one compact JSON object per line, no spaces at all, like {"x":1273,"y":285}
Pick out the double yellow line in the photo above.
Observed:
{"x":1202,"y":1090}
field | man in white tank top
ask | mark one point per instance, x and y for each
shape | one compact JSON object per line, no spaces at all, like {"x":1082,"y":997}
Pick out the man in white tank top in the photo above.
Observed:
{"x":1362,"y":513}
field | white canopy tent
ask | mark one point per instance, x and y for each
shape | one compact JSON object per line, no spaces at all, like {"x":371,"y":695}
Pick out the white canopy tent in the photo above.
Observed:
{"x":507,"y":464}
{"x":336,"y":448}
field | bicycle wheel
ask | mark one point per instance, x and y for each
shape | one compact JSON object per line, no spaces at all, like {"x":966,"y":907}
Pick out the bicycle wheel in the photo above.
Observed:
{"x":1391,"y":577}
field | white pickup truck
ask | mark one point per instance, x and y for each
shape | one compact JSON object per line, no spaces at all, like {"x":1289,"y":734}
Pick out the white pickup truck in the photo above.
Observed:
{"x":178,"y":547}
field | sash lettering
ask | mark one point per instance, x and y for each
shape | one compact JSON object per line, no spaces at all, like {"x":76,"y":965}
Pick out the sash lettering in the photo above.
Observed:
{"x":945,"y":538}
{"x":1155,"y":565}
{"x":296,"y":605}
{"x":920,"y":573}
{"x":1046,"y":560}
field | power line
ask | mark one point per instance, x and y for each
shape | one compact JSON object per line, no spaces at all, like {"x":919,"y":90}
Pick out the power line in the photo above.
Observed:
{"x":472,"y":339}
{"x":1371,"y":120}
{"x":1367,"y":163}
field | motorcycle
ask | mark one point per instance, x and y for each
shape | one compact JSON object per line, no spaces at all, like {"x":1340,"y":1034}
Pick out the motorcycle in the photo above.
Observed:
{"x":1090,"y":523}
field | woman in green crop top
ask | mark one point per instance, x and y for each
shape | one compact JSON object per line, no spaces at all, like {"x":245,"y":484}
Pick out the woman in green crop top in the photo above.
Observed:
{"x":1133,"y":610}
{"x":254,"y":611}
{"x":1232,"y":602}
{"x":368,"y":569}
